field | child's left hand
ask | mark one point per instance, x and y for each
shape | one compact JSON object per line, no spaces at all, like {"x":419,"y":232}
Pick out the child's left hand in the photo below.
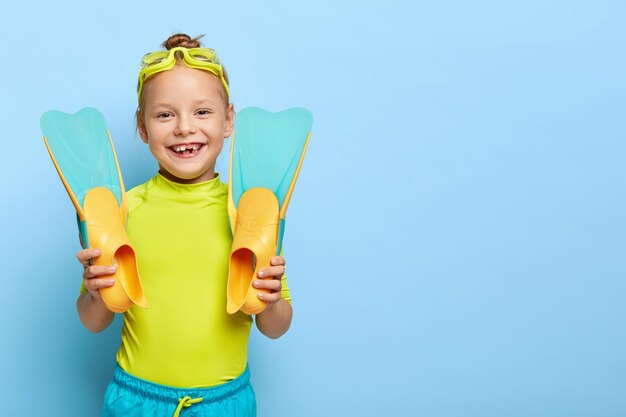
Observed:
{"x":270,"y":279}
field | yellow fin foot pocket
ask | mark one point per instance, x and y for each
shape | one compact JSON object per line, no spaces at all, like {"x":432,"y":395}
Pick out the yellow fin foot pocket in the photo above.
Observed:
{"x":254,"y":245}
{"x":106,"y":231}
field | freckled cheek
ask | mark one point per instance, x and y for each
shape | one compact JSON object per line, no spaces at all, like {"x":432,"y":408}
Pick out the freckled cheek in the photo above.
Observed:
{"x":215,"y":135}
{"x":156,"y":134}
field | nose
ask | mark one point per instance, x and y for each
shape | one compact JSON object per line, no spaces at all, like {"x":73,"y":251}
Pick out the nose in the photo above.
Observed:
{"x":184,"y":126}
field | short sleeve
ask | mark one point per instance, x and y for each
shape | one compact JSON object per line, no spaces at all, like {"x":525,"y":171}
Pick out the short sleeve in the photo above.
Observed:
{"x":284,"y":292}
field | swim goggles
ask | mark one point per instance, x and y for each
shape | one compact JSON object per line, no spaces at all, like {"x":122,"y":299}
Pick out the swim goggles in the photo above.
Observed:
{"x":199,"y":58}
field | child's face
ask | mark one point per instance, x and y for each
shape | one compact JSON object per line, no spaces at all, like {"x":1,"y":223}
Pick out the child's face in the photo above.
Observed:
{"x":185,"y":123}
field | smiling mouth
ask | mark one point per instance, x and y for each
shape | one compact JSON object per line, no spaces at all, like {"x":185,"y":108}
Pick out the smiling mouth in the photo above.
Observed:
{"x":186,"y":148}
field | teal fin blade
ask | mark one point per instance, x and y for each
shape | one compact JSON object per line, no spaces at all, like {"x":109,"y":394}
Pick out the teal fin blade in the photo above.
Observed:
{"x":82,"y":151}
{"x":267,"y":151}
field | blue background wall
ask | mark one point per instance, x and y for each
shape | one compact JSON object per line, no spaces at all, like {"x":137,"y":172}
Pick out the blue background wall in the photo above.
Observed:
{"x":456,"y":239}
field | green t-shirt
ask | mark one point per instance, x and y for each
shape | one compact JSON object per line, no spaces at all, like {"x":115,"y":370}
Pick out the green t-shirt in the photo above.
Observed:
{"x":182,"y":239}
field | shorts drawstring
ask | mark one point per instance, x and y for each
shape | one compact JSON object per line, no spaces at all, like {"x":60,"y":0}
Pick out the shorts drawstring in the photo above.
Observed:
{"x":185,"y":402}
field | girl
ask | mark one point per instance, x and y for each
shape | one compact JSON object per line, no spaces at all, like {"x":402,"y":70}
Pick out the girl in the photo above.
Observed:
{"x":183,"y":354}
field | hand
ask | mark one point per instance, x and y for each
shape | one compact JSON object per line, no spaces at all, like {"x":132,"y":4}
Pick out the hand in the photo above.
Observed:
{"x":95,"y":276}
{"x":270,"y":279}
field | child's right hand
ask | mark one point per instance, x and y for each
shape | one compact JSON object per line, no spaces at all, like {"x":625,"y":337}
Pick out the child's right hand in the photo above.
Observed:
{"x":95,"y":276}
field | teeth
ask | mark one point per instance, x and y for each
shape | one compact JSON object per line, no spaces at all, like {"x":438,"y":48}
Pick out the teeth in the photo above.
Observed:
{"x":183,"y":148}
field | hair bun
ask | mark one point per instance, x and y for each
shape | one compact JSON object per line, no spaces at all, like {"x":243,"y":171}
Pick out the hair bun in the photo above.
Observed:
{"x":181,"y":39}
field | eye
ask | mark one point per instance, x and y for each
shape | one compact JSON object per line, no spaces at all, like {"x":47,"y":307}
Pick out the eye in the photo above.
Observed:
{"x":204,"y":112}
{"x":164,"y":115}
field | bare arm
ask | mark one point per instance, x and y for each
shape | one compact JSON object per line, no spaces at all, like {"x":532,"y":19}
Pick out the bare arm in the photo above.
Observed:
{"x":91,"y":309}
{"x":275,"y":320}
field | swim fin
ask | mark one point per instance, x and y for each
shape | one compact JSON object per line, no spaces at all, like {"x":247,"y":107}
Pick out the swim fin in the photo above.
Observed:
{"x":81,"y":149}
{"x":266,"y":154}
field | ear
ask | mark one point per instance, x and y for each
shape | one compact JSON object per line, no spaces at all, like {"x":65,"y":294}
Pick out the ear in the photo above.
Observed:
{"x":141,"y":128}
{"x":230,"y":120}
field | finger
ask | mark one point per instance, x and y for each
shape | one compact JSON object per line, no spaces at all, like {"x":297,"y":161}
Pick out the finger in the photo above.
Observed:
{"x":278,"y":260}
{"x":95,"y":284}
{"x":275,"y":272}
{"x":84,"y":256}
{"x":272,"y":298}
{"x":267,"y":284}
{"x":95,"y":271}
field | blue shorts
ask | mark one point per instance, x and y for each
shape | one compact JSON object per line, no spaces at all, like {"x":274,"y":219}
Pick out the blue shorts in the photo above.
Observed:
{"x":129,"y":396}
